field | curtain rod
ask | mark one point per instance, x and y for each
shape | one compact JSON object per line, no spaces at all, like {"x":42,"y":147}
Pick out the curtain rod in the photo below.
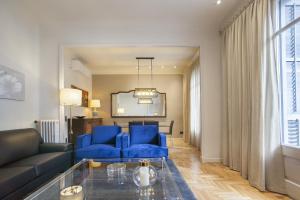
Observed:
{"x":235,"y":16}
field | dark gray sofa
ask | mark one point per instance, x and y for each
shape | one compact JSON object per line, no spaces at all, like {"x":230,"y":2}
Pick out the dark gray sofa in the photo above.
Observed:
{"x":26,"y":163}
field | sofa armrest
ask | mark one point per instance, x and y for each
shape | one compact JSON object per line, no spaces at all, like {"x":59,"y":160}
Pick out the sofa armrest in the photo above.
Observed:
{"x":119,"y":140}
{"x":125,"y":140}
{"x":83,"y":141}
{"x":55,"y":147}
{"x":162,"y":140}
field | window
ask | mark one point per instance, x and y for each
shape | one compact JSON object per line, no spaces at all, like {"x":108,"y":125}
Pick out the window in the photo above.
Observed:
{"x":290,"y":69}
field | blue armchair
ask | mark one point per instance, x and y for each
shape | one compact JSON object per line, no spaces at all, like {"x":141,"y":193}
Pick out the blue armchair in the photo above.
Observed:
{"x":104,"y":142}
{"x":144,"y":142}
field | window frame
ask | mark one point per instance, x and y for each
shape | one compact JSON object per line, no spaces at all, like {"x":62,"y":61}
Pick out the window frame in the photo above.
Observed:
{"x":282,"y":60}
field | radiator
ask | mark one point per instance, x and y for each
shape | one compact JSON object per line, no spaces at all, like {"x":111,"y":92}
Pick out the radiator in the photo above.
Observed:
{"x":49,"y":130}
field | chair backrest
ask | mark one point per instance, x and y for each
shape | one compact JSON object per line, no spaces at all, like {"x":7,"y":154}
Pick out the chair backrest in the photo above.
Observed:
{"x":135,"y":123}
{"x":17,"y":144}
{"x":105,"y":134}
{"x":147,"y":134}
{"x":171,"y":127}
{"x":156,"y":123}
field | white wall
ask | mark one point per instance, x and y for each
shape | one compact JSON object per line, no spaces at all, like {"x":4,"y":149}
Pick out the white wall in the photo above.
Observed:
{"x":211,"y":75}
{"x":19,"y":50}
{"x":292,"y":176}
{"x":123,"y":33}
{"x":78,"y":79}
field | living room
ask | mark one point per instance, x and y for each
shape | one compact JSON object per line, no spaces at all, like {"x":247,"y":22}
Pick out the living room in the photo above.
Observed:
{"x":109,"y":76}
{"x":224,"y":71}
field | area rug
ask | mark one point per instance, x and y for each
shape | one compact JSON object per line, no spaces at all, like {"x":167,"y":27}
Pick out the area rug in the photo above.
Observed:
{"x":186,"y":192}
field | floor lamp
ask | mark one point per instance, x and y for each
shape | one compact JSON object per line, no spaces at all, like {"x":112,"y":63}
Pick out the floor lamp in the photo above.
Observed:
{"x":70,"y":97}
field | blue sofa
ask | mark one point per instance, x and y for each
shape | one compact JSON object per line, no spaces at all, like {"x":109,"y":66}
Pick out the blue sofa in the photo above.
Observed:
{"x":104,"y":142}
{"x":144,"y":142}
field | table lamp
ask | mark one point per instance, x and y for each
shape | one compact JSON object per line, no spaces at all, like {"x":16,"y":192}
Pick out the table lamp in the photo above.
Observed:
{"x":70,"y":97}
{"x":95,"y":103}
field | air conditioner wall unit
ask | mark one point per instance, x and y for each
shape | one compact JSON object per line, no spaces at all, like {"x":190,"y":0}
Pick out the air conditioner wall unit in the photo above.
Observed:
{"x":77,"y":65}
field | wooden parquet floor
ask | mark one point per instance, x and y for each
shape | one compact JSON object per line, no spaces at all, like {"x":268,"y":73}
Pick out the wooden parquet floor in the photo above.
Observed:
{"x":213,"y":181}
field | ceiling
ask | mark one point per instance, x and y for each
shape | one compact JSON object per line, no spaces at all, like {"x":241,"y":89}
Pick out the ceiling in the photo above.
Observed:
{"x":189,"y":12}
{"x":122,"y":60}
{"x":177,"y":22}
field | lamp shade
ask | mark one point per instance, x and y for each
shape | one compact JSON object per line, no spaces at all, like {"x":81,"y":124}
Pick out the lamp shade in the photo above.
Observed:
{"x":95,"y":103}
{"x":70,"y":97}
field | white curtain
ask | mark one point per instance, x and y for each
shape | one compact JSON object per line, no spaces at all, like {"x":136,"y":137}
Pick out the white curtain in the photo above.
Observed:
{"x":251,"y":122}
{"x":192,"y":115}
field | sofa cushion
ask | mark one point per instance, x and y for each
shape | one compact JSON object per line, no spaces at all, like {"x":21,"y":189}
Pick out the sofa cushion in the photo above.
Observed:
{"x":98,"y":151}
{"x":18,"y":144}
{"x":43,"y":162}
{"x":13,"y":178}
{"x":105,"y":134}
{"x":83,"y":140}
{"x":55,"y":147}
{"x":145,"y":151}
{"x":147,"y":134}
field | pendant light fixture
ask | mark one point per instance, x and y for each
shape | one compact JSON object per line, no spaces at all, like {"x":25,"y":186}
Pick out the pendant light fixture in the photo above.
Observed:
{"x":145,"y":93}
{"x":145,"y":101}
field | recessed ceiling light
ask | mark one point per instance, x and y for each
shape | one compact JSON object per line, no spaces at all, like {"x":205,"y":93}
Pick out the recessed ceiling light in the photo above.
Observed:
{"x":175,"y":67}
{"x":219,"y":2}
{"x":162,"y":66}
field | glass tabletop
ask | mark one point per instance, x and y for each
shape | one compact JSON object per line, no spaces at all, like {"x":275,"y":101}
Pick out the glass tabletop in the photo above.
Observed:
{"x":99,"y":179}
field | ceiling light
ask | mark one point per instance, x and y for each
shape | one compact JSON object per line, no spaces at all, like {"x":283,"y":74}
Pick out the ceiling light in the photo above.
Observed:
{"x":219,"y":2}
{"x":145,"y":92}
{"x":162,"y":66}
{"x":175,"y":67}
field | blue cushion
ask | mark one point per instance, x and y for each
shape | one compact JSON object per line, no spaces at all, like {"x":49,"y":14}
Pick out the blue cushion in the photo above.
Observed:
{"x":145,"y":151}
{"x":119,"y":140}
{"x":125,"y":140}
{"x":105,"y":134}
{"x":98,"y":151}
{"x":143,"y":134}
{"x":162,"y":140}
{"x":83,"y":140}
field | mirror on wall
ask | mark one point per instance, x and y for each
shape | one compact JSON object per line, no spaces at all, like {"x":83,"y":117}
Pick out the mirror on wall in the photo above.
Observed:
{"x":123,"y":104}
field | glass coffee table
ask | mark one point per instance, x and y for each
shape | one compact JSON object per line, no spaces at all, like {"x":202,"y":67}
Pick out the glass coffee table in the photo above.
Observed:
{"x":91,"y":180}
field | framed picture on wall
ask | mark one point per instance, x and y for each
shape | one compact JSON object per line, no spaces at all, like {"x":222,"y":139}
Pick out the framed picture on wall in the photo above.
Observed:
{"x":12,"y":84}
{"x":85,"y":96}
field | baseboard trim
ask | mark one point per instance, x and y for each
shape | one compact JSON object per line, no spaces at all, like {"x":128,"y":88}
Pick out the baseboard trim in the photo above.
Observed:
{"x":211,"y":160}
{"x":293,"y":189}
